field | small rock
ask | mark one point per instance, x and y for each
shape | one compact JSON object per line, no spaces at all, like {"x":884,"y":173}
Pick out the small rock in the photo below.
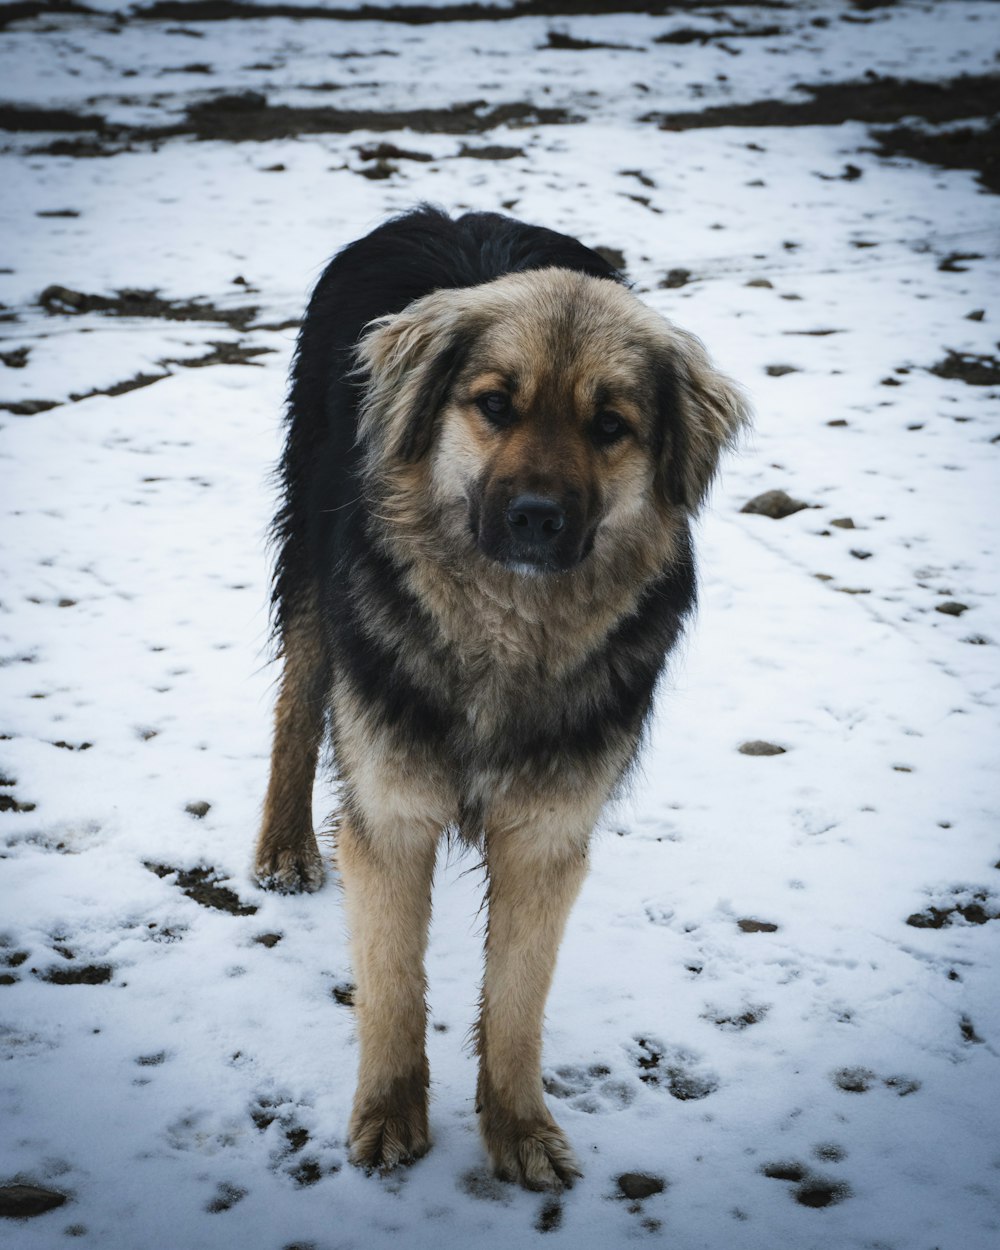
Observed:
{"x":675,"y":278}
{"x":843,"y":523}
{"x":19,"y":1202}
{"x":977,"y":314}
{"x":199,"y":809}
{"x":760,"y":282}
{"x":776,"y":504}
{"x":837,"y":422}
{"x":759,"y":747}
{"x":640,"y":1184}
{"x":858,"y":554}
{"x":748,"y":925}
{"x":951,"y":608}
{"x":779,"y":371}
{"x":268,"y":939}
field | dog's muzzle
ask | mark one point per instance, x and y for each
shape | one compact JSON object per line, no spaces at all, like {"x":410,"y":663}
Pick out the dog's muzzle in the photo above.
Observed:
{"x":535,"y":521}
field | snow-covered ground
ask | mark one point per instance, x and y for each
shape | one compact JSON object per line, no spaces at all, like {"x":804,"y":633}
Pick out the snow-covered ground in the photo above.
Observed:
{"x":823,"y":1076}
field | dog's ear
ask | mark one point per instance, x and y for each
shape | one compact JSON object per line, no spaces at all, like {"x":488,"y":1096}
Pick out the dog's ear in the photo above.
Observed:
{"x":699,"y":413}
{"x":409,"y":362}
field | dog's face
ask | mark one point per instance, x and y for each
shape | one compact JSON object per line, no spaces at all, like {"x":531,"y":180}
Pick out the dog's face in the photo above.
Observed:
{"x":553,"y":412}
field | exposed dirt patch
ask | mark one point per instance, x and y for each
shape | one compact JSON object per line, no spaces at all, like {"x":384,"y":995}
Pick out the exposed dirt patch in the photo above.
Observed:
{"x":968,"y":367}
{"x":203,"y":886}
{"x":249,"y":117}
{"x":873,"y":99}
{"x":89,"y":974}
{"x":674,"y":1071}
{"x":62,"y":300}
{"x":344,"y":993}
{"x":966,"y":148}
{"x":390,"y":152}
{"x":562,"y":42}
{"x":741,"y":31}
{"x":238,"y":353}
{"x":975,"y":907}
{"x":418,"y":14}
{"x":810,"y":1189}
{"x":9,"y":804}
{"x":226,"y":1197}
{"x":490,"y":152}
{"x":23,"y":117}
{"x":550,"y":1217}
{"x":738,"y":1021}
{"x":861,"y":1080}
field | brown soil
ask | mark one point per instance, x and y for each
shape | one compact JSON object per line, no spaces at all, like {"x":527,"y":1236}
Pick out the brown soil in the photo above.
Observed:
{"x":21,"y":117}
{"x":873,"y":99}
{"x":18,"y":12}
{"x":62,"y":300}
{"x":249,"y":116}
{"x":418,"y":15}
{"x":952,"y":149}
{"x":92,"y":974}
{"x":202,"y":886}
{"x":969,"y":368}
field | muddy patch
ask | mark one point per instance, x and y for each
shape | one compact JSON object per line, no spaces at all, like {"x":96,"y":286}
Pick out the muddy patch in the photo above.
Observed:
{"x":674,"y":1069}
{"x":131,"y":302}
{"x":87,"y":974}
{"x":965,"y":148}
{"x":203,"y":886}
{"x":874,"y":100}
{"x":811,"y":1190}
{"x":19,"y":117}
{"x":411,"y":15}
{"x":973,"y":906}
{"x":969,"y":368}
{"x":249,"y":117}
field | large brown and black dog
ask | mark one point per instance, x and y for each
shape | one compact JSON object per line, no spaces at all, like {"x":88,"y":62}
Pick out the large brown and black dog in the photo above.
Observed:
{"x":483,"y":559}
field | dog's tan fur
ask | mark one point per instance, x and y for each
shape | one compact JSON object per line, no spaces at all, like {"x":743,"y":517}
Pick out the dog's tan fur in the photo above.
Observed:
{"x":497,"y":633}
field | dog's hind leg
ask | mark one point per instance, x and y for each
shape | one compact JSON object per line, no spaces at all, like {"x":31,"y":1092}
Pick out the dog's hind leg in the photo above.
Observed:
{"x":287,"y":856}
{"x":387,"y":888}
{"x":533,"y":880}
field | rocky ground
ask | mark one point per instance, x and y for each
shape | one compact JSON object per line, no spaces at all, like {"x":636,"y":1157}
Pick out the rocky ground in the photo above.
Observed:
{"x":775,"y":1020}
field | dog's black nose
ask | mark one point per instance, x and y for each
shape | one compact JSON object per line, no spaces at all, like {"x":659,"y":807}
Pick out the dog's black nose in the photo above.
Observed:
{"x":534,"y":519}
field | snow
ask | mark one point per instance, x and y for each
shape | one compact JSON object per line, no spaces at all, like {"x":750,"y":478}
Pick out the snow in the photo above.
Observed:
{"x":211,"y":1069}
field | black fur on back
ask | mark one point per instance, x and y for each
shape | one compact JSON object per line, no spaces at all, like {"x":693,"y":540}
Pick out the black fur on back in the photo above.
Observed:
{"x":405,"y":258}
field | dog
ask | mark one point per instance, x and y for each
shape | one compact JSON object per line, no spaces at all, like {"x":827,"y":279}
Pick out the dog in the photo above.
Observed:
{"x":483,"y":558}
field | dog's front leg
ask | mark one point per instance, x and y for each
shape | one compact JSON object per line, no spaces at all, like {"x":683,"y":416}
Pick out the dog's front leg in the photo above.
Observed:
{"x":532,"y":883}
{"x":387,"y":877}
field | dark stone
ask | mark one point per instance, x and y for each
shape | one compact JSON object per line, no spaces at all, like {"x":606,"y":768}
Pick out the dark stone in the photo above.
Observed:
{"x":640,"y":1184}
{"x":759,"y":747}
{"x":777,"y":504}
{"x":20,"y":1202}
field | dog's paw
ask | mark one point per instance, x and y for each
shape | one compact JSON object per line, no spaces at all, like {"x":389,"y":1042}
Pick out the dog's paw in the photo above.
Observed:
{"x":537,"y":1157}
{"x":289,"y":871}
{"x":385,"y":1134}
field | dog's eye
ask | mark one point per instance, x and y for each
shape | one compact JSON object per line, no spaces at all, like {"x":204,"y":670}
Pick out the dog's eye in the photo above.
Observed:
{"x":608,"y":428}
{"x":495,"y":406}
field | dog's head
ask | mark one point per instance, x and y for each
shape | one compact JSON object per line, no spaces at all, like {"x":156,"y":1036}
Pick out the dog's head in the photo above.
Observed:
{"x":549,"y":411}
